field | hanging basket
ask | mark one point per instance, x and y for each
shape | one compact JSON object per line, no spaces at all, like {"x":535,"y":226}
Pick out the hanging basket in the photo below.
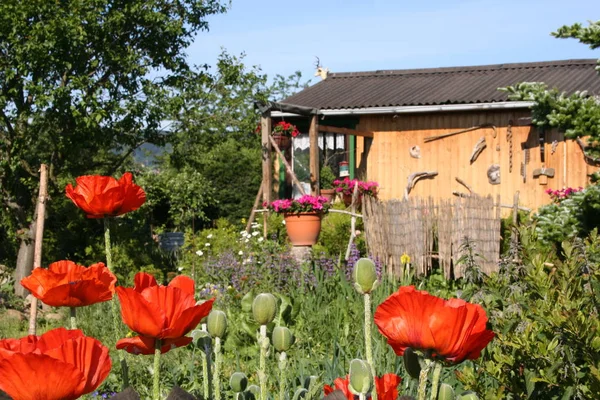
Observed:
{"x":283,"y":142}
{"x":347,"y":198}
{"x":303,"y":229}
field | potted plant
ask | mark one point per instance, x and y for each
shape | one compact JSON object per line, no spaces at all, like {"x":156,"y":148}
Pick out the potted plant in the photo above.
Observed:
{"x":302,"y":217}
{"x":326,"y":179}
{"x":282,"y":133}
{"x":346,"y":186}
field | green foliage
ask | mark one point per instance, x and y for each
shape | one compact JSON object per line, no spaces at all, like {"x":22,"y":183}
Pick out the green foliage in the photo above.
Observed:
{"x":548,"y":334}
{"x":589,"y":35}
{"x":326,"y":177}
{"x":335,"y":233}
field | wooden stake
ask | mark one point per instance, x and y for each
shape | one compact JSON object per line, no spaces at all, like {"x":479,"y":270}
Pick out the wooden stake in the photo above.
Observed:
{"x":39,"y":236}
{"x":313,"y":137}
{"x":253,"y":212}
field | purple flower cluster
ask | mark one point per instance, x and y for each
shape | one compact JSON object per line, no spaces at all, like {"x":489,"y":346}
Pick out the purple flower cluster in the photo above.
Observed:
{"x":306,"y":203}
{"x":558,"y":195}
{"x":355,"y":256}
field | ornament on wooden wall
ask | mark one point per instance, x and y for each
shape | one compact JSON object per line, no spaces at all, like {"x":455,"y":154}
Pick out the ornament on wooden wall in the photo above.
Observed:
{"x":479,"y":146}
{"x":414,"y":177}
{"x":493,"y":174}
{"x":543,"y":174}
{"x":509,"y":139}
{"x":415,"y":152}
{"x":554,"y":146}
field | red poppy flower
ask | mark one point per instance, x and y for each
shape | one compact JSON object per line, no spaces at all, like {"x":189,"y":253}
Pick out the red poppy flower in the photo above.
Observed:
{"x":104,"y":196}
{"x":386,"y":387}
{"x":451,"y":330}
{"x":66,"y":284}
{"x":156,"y":312}
{"x":60,"y":364}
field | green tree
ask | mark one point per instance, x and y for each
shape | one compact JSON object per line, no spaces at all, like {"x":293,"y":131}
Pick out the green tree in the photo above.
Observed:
{"x":76,"y":94}
{"x":577,"y":114}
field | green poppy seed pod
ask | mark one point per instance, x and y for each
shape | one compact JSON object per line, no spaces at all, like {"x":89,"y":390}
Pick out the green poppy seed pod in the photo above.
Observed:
{"x":201,"y":339}
{"x":360,"y":377}
{"x":238,"y":382}
{"x":217,"y":323}
{"x":264,"y":308}
{"x":282,"y":338}
{"x":252,"y":393}
{"x":300,"y":393}
{"x":468,"y":396}
{"x":446,"y":392}
{"x":411,"y":363}
{"x":365,"y":276}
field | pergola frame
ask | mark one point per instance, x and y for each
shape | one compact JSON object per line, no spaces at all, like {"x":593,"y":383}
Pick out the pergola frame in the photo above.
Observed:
{"x":313,"y":134}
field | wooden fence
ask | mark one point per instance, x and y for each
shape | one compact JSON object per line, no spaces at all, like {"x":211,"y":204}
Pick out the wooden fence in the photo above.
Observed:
{"x":416,"y":225}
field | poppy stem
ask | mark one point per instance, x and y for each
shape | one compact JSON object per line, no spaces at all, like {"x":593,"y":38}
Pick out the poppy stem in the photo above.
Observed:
{"x":113,"y":305}
{"x":435,"y":380}
{"x":422,"y":391}
{"x":216,"y":376}
{"x":73,"y":319}
{"x":262,"y":372}
{"x":282,"y":366}
{"x":156,"y":386}
{"x":205,"y":355}
{"x":368,"y":343}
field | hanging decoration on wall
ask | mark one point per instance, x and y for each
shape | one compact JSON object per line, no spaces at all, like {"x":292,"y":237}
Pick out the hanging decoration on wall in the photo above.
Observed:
{"x":414,"y":177}
{"x":479,"y":146}
{"x":415,"y":152}
{"x":493,"y":174}
{"x":554,"y":146}
{"x":460,"y":194}
{"x":543,"y":174}
{"x":473,"y":128}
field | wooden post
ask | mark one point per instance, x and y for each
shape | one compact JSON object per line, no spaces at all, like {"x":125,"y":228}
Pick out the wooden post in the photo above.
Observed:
{"x":313,"y":135}
{"x":265,"y":124}
{"x":288,"y":168}
{"x":39,"y":236}
{"x":253,"y":212}
{"x":514,"y":238}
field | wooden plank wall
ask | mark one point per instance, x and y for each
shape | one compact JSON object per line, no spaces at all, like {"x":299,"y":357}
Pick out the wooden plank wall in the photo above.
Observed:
{"x":387,"y":159}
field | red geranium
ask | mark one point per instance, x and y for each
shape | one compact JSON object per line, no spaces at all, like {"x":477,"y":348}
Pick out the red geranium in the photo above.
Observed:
{"x":386,"y":387}
{"x":104,"y":196}
{"x":449,"y":330}
{"x":285,"y":128}
{"x":60,"y":364}
{"x":164,"y":313}
{"x":66,"y":284}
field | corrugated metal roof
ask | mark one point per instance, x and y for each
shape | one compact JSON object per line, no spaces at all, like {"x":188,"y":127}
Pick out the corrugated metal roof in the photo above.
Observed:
{"x":436,"y":86}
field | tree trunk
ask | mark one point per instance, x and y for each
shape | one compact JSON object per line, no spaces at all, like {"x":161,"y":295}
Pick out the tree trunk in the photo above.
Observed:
{"x":24,"y":260}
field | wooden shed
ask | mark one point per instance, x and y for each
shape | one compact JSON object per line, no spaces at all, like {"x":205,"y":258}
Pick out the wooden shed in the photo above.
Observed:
{"x":456,"y":123}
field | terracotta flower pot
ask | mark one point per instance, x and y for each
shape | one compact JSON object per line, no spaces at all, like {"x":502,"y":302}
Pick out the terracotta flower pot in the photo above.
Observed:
{"x":283,"y":142}
{"x":303,"y":229}
{"x":329,"y":194}
{"x":348,"y":200}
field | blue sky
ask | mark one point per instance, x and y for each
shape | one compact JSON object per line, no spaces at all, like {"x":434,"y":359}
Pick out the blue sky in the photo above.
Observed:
{"x":348,"y":35}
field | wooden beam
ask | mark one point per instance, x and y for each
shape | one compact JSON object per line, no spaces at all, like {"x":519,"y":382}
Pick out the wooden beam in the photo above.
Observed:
{"x":345,"y":131}
{"x":266,"y":108}
{"x":313,"y":137}
{"x":265,"y":124}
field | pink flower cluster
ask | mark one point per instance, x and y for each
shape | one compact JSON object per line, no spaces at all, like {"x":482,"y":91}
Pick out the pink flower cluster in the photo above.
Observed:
{"x":306,"y":203}
{"x":346,"y":187}
{"x":558,"y":195}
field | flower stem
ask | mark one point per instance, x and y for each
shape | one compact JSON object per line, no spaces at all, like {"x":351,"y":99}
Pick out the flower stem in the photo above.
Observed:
{"x":282,"y":366}
{"x":216,"y":380}
{"x":205,"y":378}
{"x":73,"y":319}
{"x":368,"y":343}
{"x":156,"y":385}
{"x":435,"y":380}
{"x":113,"y":305}
{"x":263,"y":342}
{"x":422,"y":391}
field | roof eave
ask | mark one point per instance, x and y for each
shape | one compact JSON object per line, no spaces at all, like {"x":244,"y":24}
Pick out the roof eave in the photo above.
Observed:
{"x":501,"y":105}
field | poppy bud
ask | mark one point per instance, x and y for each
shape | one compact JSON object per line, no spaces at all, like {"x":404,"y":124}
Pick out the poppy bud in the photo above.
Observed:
{"x":216,"y":323}
{"x":201,"y":339}
{"x":446,"y":392}
{"x":300,"y":393}
{"x":468,"y":396}
{"x":282,"y":338}
{"x":253,"y":392}
{"x":365,"y":276}
{"x":264,"y":308}
{"x":360,"y":377}
{"x":238,"y":382}
{"x":411,"y":363}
